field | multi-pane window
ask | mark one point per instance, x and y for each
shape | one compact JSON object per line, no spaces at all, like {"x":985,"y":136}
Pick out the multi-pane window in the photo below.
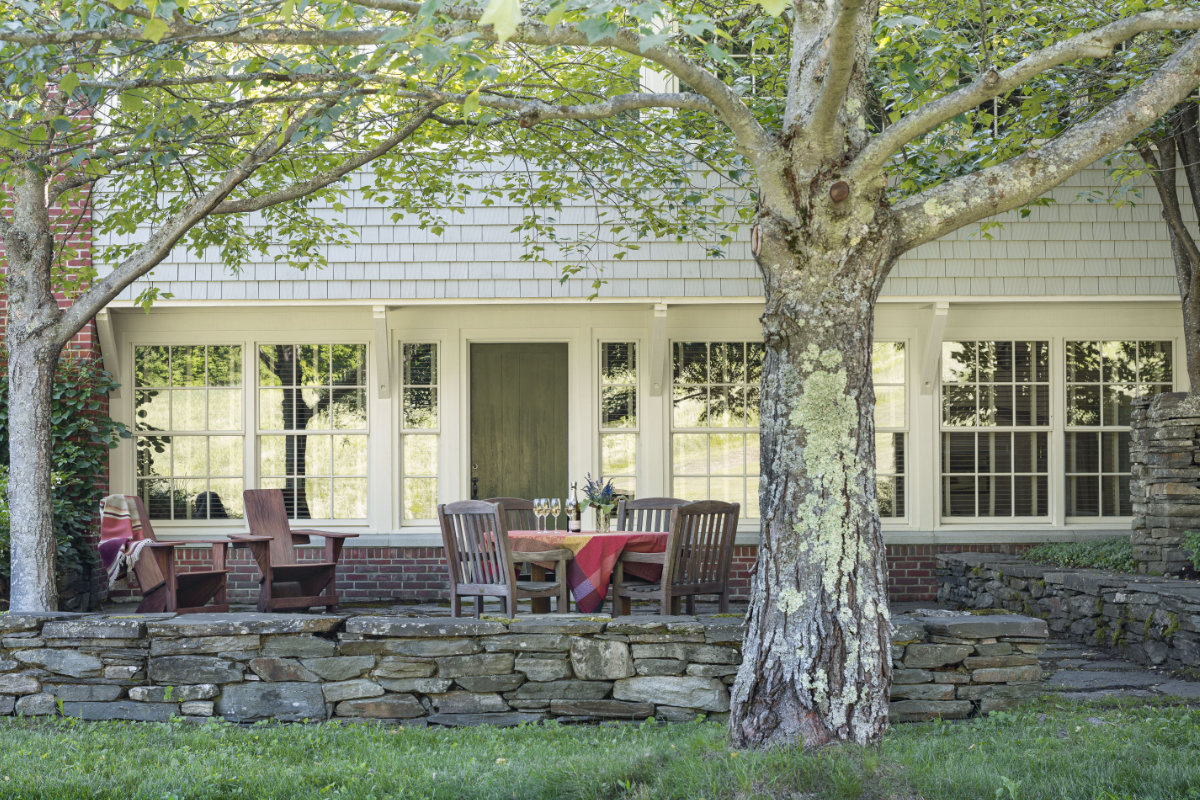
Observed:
{"x":995,"y":423}
{"x":714,"y":422}
{"x":188,"y":430}
{"x":420,"y":425}
{"x":891,"y":420}
{"x":312,"y":428}
{"x":1102,"y":380}
{"x":619,"y":415}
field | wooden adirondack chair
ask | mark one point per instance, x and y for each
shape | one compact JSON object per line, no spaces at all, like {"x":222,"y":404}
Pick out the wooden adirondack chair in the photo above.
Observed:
{"x":287,"y":582}
{"x":697,"y":560}
{"x":481,"y":561}
{"x":647,"y":513}
{"x":165,"y":589}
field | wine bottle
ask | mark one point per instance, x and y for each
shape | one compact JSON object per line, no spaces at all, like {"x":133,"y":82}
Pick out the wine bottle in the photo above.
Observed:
{"x":574,"y":512}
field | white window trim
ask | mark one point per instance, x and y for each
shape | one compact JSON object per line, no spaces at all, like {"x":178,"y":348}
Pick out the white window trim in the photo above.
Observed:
{"x":1101,"y":519}
{"x":401,"y":431}
{"x":906,"y":428}
{"x":638,"y":392}
{"x":1047,"y":429}
{"x":1057,"y":527}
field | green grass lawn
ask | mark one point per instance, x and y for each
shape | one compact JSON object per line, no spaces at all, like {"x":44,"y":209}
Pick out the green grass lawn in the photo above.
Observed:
{"x":1052,"y":749}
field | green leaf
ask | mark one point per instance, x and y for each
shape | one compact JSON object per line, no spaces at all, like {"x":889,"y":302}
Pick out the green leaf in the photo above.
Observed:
{"x":773,"y":7}
{"x":289,"y":10}
{"x":504,"y":16}
{"x":471,"y":104}
{"x":156,"y":29}
{"x":69,"y":83}
{"x":132,"y":102}
{"x":121,"y":5}
{"x":556,"y":15}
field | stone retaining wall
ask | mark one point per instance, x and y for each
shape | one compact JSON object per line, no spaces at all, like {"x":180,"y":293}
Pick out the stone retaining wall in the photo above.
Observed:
{"x":1147,"y":619}
{"x":1165,"y":480}
{"x":291,"y":667}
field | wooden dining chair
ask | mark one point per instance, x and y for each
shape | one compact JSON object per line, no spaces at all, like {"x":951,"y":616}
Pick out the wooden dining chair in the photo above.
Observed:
{"x":163,"y":587}
{"x":518,"y":513}
{"x":647,"y":513}
{"x":288,"y":582}
{"x":697,"y":560}
{"x":480,"y":559}
{"x":518,"y":516}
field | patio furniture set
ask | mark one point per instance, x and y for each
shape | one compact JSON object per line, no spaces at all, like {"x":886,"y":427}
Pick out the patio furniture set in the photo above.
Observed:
{"x":663,"y":549}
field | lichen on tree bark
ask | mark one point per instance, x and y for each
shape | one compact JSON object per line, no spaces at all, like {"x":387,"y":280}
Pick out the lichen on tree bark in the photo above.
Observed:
{"x":816,"y":663}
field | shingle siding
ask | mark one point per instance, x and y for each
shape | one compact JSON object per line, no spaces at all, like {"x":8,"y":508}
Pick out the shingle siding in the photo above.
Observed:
{"x":1070,"y":248}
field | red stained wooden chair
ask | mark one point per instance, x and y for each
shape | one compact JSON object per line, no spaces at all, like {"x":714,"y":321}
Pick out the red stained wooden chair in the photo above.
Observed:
{"x":287,"y":582}
{"x":481,"y":560}
{"x":697,"y":560}
{"x":163,"y":587}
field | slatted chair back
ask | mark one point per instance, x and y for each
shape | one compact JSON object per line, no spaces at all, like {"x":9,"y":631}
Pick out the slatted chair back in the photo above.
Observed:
{"x":149,"y":572}
{"x":700,"y":547}
{"x":476,"y":542}
{"x":518,"y":513}
{"x":647,"y":513}
{"x":267,"y":515}
{"x":147,"y":530}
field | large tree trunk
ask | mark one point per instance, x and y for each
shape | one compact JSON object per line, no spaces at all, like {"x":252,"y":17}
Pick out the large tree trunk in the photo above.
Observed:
{"x":32,"y":358}
{"x":816,"y":661}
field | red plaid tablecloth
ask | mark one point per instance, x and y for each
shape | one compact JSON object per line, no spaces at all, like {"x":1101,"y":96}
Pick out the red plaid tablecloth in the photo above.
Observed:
{"x":590,"y":572}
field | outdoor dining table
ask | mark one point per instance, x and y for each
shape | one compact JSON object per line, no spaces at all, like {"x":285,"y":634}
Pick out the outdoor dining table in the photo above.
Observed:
{"x":596,"y":554}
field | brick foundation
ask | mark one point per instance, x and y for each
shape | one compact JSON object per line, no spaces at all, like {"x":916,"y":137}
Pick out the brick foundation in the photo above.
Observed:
{"x":396,"y":574}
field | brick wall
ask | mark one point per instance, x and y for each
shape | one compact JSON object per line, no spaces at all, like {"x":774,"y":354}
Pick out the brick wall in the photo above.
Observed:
{"x":400,"y":574}
{"x":912,"y":567}
{"x":72,"y":227}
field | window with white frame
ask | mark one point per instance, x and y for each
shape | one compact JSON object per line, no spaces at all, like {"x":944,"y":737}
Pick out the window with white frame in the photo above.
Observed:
{"x":891,"y":427}
{"x":420,"y":429}
{"x":312,"y":428}
{"x":1102,"y":379}
{"x":995,"y":429}
{"x":188,"y":430}
{"x":714,"y":422}
{"x":619,"y":415}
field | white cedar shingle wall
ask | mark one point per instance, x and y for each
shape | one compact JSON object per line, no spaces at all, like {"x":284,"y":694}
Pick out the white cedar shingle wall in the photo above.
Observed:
{"x":1070,"y":248}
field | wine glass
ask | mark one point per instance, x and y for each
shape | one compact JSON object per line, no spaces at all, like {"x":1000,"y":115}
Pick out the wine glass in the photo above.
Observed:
{"x":555,"y":510}
{"x":539,"y":510}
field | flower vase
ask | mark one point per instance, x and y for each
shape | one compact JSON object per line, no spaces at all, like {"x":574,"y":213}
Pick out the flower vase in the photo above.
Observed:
{"x":602,"y":521}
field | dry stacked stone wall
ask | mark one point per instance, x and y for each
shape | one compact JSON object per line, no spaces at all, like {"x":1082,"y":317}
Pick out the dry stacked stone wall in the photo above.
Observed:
{"x":292,"y":667}
{"x":1164,"y":455}
{"x":1152,"y":620}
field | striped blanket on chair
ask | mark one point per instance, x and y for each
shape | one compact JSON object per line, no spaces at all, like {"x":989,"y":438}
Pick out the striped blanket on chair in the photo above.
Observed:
{"x":121,"y":539}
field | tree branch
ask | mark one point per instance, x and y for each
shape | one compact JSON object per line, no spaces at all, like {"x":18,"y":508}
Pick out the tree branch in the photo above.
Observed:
{"x":159,"y":245}
{"x":1162,"y":172}
{"x":938,"y":210}
{"x":1186,"y":134}
{"x":842,"y":54}
{"x":1097,"y":43}
{"x":727,"y":104}
{"x":304,"y":188}
{"x":534,"y":111}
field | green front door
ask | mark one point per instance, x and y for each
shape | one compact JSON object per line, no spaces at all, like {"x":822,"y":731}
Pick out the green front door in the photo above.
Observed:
{"x":519,"y":420}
